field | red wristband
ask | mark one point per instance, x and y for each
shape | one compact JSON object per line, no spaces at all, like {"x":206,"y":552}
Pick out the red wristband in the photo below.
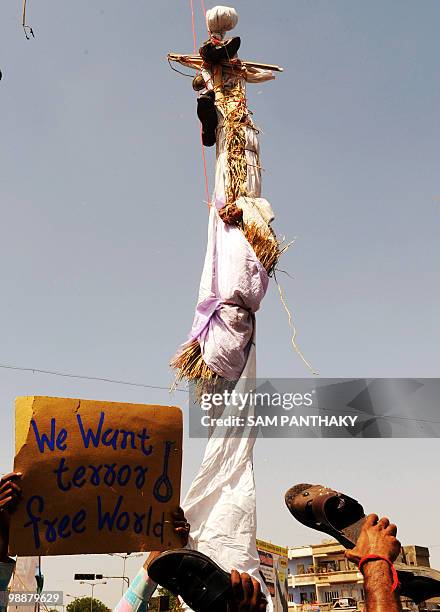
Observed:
{"x":367,"y":558}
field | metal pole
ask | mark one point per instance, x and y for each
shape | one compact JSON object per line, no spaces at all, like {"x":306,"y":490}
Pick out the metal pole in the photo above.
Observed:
{"x":91,"y":601}
{"x":123,"y":574}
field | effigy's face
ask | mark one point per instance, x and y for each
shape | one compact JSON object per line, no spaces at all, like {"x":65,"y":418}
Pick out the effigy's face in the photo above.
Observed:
{"x":221,"y":19}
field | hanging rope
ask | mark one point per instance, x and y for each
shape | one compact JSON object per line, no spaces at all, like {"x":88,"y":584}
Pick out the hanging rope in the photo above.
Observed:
{"x":193,"y":23}
{"x":205,"y":171}
{"x":26,"y":27}
{"x":293,"y":328}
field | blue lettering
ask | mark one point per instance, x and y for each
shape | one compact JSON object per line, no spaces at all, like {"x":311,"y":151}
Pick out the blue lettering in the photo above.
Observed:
{"x":123,"y":481}
{"x":95,"y":479}
{"x":104,"y":518}
{"x":113,"y":435}
{"x":78,"y":479}
{"x":77,"y":521}
{"x":123,"y":521}
{"x":163,"y":489}
{"x":140,"y":478}
{"x":158,"y":529}
{"x":34,"y":520}
{"x":125,"y":435}
{"x":50,"y":442}
{"x":90,"y":436}
{"x":138,"y":522}
{"x":59,"y":474}
{"x":110,"y":475}
{"x":64,"y":524}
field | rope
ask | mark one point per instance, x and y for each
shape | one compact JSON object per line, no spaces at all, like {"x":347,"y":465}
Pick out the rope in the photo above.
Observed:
{"x":193,"y":22}
{"x":293,"y":328}
{"x":205,"y":171}
{"x":26,"y":28}
{"x":178,"y":71}
{"x":83,"y":377}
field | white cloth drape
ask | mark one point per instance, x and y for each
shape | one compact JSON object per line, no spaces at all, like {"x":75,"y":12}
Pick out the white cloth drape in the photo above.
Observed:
{"x":221,"y":502}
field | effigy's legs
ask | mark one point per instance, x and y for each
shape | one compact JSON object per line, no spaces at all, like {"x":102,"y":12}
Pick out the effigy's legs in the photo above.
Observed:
{"x":221,"y":502}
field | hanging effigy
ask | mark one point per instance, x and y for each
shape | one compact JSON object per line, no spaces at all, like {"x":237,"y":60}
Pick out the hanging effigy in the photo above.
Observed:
{"x":242,"y":249}
{"x":242,"y":253}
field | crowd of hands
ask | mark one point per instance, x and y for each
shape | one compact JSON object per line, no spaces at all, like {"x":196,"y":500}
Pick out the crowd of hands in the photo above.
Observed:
{"x":378,"y":537}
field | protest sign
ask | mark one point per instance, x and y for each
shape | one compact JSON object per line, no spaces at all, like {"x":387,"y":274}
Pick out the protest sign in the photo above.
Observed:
{"x":98,"y":477}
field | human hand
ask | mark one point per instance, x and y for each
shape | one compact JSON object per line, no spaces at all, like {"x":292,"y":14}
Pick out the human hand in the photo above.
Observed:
{"x":246,"y":594}
{"x":377,"y":537}
{"x":10,"y":491}
{"x":181,"y":526}
{"x":10,"y":496}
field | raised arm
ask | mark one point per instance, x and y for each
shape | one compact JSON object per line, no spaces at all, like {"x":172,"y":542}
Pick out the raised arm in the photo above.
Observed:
{"x":376,"y":550}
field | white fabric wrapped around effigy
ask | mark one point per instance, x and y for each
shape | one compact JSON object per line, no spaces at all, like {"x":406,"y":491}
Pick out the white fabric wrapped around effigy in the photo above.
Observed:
{"x":233,"y":281}
{"x":221,"y":502}
{"x":233,"y":284}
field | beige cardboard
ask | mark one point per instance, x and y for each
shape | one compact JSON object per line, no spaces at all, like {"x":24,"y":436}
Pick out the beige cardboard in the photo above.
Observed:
{"x":71,"y":505}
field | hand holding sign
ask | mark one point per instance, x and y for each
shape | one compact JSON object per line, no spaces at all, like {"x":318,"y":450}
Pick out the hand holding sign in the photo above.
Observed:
{"x":98,"y":477}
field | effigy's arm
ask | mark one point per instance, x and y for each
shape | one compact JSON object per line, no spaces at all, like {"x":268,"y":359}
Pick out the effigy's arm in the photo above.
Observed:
{"x":196,"y":62}
{"x":189,"y":61}
{"x":257,"y":75}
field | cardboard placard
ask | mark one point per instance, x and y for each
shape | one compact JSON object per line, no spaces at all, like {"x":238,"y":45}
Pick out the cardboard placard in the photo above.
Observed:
{"x":98,"y":477}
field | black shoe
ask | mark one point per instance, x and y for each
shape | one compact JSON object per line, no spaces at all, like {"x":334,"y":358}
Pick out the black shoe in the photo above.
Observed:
{"x":207,"y":113}
{"x":198,"y":83}
{"x":200,"y":582}
{"x":219,"y":52}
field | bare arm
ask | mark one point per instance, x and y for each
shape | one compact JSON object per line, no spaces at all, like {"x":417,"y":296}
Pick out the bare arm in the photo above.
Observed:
{"x":378,"y":594}
{"x":378,"y":538}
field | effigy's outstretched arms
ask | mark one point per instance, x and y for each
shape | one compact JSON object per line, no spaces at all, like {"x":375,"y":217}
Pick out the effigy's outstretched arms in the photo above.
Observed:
{"x":252,"y":72}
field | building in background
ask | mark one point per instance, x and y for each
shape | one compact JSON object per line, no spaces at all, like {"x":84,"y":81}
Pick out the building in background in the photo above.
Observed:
{"x":320,"y":574}
{"x":274,"y":568}
{"x":322,"y":579}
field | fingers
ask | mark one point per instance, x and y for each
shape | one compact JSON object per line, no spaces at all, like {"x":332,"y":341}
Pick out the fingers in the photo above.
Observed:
{"x":371,"y":520}
{"x":262,"y":604}
{"x":391,"y":529}
{"x":256,"y":592}
{"x":178,"y":515}
{"x":237,"y":589}
{"x":14,"y":492}
{"x":180,"y":530}
{"x":247,"y":586}
{"x":180,"y":524}
{"x":4,"y":503}
{"x":10,"y":476}
{"x":10,"y":486}
{"x":351,"y":556}
{"x":10,"y":495}
{"x":262,"y":607}
{"x":246,"y":593}
{"x":383,"y":523}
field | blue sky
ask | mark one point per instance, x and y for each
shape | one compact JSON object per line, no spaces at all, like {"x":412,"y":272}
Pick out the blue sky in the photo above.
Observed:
{"x":104,"y":223}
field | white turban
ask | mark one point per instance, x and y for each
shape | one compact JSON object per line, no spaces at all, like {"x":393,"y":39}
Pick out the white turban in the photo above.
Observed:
{"x":221,"y":19}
